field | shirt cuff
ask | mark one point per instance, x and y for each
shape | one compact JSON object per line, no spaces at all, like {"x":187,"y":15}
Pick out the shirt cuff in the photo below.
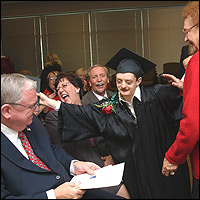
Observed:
{"x":58,"y":105}
{"x":72,"y":167}
{"x":51,"y":194}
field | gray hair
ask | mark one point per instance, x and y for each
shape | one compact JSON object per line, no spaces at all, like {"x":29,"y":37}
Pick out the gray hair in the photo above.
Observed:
{"x":97,"y":65}
{"x":12,"y":86}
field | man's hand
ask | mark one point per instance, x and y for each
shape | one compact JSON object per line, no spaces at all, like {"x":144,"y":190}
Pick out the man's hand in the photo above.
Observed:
{"x":81,"y":167}
{"x":174,"y":81}
{"x":107,"y":160}
{"x":168,"y":168}
{"x":68,"y":190}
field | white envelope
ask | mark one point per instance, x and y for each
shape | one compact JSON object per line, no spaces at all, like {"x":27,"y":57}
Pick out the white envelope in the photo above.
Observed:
{"x":108,"y":176}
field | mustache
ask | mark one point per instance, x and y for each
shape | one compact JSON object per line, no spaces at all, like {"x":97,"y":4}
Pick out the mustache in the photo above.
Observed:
{"x":100,"y":83}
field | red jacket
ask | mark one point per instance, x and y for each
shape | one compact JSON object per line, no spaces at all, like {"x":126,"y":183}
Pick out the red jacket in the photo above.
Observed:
{"x":187,"y":139}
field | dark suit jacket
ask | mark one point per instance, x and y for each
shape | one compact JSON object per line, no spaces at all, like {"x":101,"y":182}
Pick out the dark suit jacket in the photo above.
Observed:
{"x":20,"y":177}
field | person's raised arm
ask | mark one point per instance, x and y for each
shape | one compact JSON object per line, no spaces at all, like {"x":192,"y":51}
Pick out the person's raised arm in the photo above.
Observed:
{"x":44,"y":100}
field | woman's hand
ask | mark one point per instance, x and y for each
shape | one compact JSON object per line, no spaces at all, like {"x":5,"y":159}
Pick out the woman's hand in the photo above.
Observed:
{"x":44,"y":100}
{"x":174,"y":81}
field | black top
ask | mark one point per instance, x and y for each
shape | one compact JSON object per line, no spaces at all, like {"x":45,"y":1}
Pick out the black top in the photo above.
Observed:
{"x":184,"y":54}
{"x":141,"y":146}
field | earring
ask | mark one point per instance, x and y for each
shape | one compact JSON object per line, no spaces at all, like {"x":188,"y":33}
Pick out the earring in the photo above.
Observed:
{"x":77,"y":91}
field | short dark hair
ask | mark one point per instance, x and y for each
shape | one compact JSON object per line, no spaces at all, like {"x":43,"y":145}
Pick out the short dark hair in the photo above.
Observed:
{"x":71,"y":77}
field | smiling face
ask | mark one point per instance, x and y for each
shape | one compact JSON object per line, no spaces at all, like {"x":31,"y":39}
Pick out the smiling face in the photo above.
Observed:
{"x":98,"y":80}
{"x":126,"y":84}
{"x":192,"y":36}
{"x":67,"y":92}
{"x":21,"y":114}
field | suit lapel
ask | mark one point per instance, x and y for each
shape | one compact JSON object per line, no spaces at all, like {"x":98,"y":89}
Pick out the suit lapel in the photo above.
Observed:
{"x":14,"y":155}
{"x":92,"y":97}
{"x":34,"y":144}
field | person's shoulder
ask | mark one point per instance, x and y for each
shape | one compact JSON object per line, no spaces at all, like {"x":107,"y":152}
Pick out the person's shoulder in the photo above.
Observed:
{"x":51,"y":115}
{"x":109,"y":93}
{"x":87,"y":98}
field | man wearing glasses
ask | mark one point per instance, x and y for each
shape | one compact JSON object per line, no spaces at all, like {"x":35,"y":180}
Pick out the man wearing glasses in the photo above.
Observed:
{"x":187,"y":140}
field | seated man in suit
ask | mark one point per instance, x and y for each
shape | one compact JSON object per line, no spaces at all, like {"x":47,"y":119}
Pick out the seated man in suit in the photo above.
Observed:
{"x":30,"y":166}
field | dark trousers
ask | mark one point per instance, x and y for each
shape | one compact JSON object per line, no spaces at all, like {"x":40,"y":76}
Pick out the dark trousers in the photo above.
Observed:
{"x":195,"y":188}
{"x":99,"y":194}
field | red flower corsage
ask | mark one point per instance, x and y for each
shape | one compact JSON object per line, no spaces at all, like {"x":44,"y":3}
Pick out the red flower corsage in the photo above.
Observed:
{"x":108,"y":106}
{"x":107,"y":109}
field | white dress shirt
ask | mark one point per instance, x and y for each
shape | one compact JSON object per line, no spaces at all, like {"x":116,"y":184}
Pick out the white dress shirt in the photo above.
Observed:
{"x":99,"y":97}
{"x":137,"y":94}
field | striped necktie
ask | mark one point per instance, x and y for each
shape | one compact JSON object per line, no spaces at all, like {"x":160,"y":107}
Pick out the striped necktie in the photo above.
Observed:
{"x":27,"y":147}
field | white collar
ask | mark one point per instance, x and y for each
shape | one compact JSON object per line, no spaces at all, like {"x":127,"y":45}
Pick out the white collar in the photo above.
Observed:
{"x":11,"y":134}
{"x":99,"y":97}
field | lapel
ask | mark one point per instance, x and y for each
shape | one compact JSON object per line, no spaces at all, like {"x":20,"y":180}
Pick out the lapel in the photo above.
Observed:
{"x":92,"y":97}
{"x":109,"y":93}
{"x":11,"y":153}
{"x":39,"y":146}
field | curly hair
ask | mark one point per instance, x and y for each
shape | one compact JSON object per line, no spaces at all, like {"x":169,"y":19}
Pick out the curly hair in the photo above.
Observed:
{"x":191,"y":9}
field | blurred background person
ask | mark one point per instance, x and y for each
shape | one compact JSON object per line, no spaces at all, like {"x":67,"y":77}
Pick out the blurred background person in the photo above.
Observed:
{"x":7,"y":66}
{"x":51,"y":93}
{"x":26,"y":72}
{"x":82,"y":73}
{"x":52,"y":63}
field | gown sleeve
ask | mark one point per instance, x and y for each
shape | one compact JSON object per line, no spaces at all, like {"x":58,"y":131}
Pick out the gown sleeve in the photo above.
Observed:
{"x":79,"y":122}
{"x":170,"y":99}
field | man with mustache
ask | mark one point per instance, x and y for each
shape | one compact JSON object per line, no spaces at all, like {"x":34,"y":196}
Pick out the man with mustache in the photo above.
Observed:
{"x":98,"y":81}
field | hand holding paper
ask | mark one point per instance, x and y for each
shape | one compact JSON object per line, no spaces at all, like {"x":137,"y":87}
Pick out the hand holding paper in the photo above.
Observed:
{"x":104,"y":177}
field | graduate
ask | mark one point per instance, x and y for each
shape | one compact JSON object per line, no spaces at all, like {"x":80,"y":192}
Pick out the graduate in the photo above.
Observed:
{"x":138,"y":123}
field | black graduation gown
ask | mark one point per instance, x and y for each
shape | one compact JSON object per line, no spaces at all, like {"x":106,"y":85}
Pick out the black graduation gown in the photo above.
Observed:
{"x":141,"y":146}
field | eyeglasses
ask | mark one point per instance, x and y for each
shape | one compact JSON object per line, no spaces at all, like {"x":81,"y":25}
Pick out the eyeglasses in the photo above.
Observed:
{"x":186,"y":31}
{"x":52,"y":78}
{"x":26,"y":106}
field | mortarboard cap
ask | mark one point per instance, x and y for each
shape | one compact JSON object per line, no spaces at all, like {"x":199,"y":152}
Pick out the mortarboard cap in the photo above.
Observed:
{"x":125,"y":61}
